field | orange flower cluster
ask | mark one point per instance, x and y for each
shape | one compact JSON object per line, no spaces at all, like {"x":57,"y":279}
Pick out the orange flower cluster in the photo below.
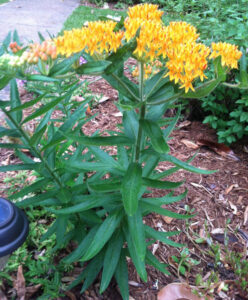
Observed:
{"x":44,"y":51}
{"x":98,"y":37}
{"x":14,"y":47}
{"x":187,"y":59}
{"x":186,"y":63}
{"x":229,"y":54}
{"x":147,"y":17}
{"x":177,"y":43}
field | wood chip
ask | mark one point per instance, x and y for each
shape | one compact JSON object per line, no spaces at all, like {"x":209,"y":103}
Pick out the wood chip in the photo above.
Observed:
{"x":229,"y":189}
{"x":245,"y":216}
{"x":189,"y":144}
{"x":233,"y":207}
{"x":167,"y":220}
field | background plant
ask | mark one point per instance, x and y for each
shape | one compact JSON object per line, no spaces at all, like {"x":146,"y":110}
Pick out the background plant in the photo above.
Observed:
{"x":97,"y":198}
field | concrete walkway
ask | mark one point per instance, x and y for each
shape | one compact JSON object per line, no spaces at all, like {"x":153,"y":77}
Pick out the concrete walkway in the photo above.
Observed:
{"x":30,"y":16}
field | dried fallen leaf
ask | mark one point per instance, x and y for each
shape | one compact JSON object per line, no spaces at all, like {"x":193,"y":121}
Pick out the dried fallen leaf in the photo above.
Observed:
{"x":229,"y":189}
{"x":19,"y":284}
{"x":219,"y":148}
{"x":30,"y":290}
{"x":246,"y":215}
{"x":167,"y":220}
{"x":70,"y":295}
{"x":233,"y":207}
{"x":184,"y":124}
{"x":178,"y":291}
{"x":119,"y":114}
{"x":189,"y":144}
{"x":103,"y":99}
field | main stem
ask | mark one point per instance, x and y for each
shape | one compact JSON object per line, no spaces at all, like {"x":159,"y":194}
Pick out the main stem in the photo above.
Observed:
{"x":142,"y":112}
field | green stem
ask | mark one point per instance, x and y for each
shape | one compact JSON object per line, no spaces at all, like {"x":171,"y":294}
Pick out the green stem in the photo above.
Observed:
{"x":142,"y":112}
{"x":33,"y":149}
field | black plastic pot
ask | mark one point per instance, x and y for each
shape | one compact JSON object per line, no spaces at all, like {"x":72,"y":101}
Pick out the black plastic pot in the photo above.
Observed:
{"x":13,"y":227}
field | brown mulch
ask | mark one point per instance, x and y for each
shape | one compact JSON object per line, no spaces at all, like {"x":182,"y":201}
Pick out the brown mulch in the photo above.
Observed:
{"x":214,"y":198}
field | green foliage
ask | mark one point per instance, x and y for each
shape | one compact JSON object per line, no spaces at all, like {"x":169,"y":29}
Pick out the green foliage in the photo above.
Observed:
{"x":227,"y":106}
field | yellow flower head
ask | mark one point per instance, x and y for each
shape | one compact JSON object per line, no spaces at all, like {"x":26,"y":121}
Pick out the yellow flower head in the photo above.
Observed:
{"x":98,"y":37}
{"x":186,"y":63}
{"x":229,"y":54}
{"x":145,"y":12}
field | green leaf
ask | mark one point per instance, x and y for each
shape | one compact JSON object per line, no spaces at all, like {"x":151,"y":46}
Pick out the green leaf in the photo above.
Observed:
{"x":37,"y":199}
{"x":93,"y":67}
{"x":12,"y":146}
{"x":40,"y":184}
{"x":121,"y":55}
{"x":15,"y":101}
{"x":9,"y":132}
{"x":63,"y":67}
{"x":203,"y":90}
{"x":28,"y":104}
{"x":86,"y":202}
{"x":219,"y":69}
{"x":131,"y":186}
{"x":131,"y":124}
{"x":19,"y":167}
{"x":168,"y":199}
{"x":4,"y":80}
{"x":92,"y":270}
{"x":163,"y":94}
{"x":156,"y":136}
{"x":61,"y":230}
{"x":172,"y":124}
{"x":121,"y":276}
{"x":105,"y":186}
{"x":124,"y":86}
{"x":35,"y":139}
{"x":42,"y":78}
{"x":153,"y":261}
{"x":161,"y":236}
{"x":99,"y":140}
{"x":136,"y":229}
{"x":160,"y":184}
{"x":102,"y":235}
{"x":147,"y":208}
{"x":45,"y":108}
{"x":111,"y":259}
{"x":185,"y":165}
{"x":153,"y":84}
{"x":82,"y":247}
{"x":139,"y":264}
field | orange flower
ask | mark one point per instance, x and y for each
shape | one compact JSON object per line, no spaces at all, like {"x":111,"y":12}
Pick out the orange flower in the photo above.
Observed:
{"x":229,"y":54}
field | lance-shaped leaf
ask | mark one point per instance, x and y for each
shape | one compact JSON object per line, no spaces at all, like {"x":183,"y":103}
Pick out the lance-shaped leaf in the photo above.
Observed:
{"x":121,"y":276}
{"x":156,"y":136}
{"x":139,"y":264}
{"x":136,"y":229}
{"x":4,"y":80}
{"x":93,"y":67}
{"x":168,"y":199}
{"x":203,"y":90}
{"x":163,"y":94}
{"x":148,"y":208}
{"x":161,"y":236}
{"x":153,"y":261}
{"x":15,"y":100}
{"x":102,"y":235}
{"x":111,"y":259}
{"x":131,"y":186}
{"x":185,"y":165}
{"x":100,"y":140}
{"x":153,"y":84}
{"x":42,"y":78}
{"x":160,"y":184}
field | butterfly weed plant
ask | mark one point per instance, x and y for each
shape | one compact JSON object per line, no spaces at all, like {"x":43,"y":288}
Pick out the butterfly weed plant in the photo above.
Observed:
{"x":97,"y":198}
